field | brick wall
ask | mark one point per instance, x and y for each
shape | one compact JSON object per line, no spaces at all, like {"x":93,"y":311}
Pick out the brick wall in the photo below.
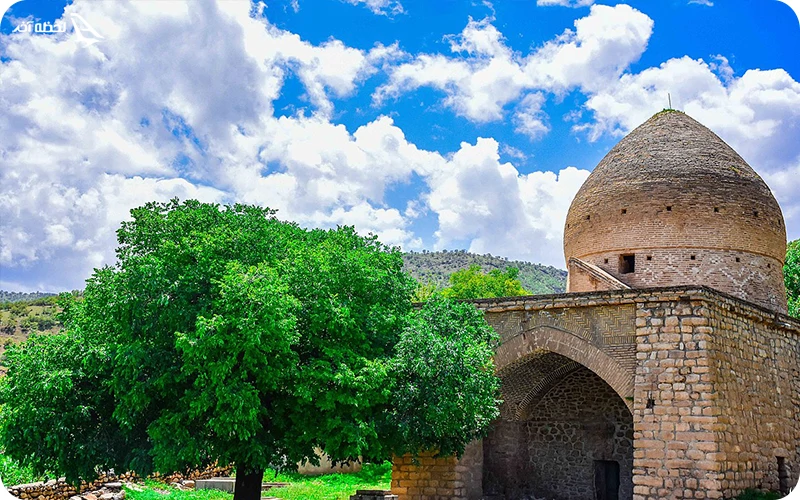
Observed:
{"x":749,"y":276}
{"x":672,"y":189}
{"x":716,"y":397}
{"x":440,"y":478}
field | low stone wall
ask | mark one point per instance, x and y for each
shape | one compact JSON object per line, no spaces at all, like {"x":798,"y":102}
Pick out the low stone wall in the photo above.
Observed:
{"x":61,"y":490}
{"x":437,"y":478}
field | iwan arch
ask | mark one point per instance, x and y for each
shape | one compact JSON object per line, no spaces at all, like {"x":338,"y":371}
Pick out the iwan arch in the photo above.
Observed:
{"x":669,"y":369}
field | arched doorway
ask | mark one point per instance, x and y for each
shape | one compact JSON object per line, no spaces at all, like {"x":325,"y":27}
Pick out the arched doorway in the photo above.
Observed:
{"x":564,"y":434}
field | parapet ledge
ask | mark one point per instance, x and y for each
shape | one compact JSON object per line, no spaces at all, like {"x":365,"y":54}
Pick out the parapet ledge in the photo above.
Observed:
{"x":598,"y":274}
{"x":639,"y":295}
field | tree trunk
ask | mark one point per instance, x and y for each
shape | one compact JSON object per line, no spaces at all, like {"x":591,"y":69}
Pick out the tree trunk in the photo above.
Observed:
{"x":248,"y":484}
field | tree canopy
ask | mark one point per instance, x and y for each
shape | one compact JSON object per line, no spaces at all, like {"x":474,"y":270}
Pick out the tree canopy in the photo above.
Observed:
{"x":224,"y":334}
{"x":791,"y":275}
{"x":472,"y":283}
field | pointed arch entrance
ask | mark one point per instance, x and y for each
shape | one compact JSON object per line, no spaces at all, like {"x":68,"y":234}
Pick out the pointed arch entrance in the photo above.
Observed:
{"x":566,"y":426}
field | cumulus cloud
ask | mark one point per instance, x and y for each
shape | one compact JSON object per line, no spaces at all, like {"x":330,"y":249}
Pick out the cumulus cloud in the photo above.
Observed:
{"x":564,"y":3}
{"x":383,"y":7}
{"x":174,"y":102}
{"x":177,"y":100}
{"x":484,"y":75}
{"x":492,"y":206}
{"x":89,"y":132}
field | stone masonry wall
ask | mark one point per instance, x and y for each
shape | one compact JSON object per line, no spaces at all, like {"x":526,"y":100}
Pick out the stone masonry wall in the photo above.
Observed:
{"x":61,"y":490}
{"x":756,"y":367}
{"x":576,"y":423}
{"x":552,"y":453}
{"x":675,"y":418}
{"x":716,"y":389}
{"x":713,"y":401}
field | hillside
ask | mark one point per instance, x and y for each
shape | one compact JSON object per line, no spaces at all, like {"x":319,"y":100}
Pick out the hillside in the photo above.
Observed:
{"x":6,"y":296}
{"x":436,"y":267}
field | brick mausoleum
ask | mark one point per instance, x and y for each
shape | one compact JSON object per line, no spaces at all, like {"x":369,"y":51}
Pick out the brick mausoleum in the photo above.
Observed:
{"x":669,"y":369}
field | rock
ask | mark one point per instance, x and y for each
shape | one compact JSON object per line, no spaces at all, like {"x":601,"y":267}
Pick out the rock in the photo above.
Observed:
{"x":107,"y":496}
{"x":89,"y":496}
{"x":188,"y":483}
{"x":113,"y":486}
{"x":77,"y":497}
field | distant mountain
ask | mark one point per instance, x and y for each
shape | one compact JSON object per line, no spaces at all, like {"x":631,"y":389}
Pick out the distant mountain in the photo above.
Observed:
{"x":6,"y":296}
{"x":436,"y":267}
{"x":431,"y":267}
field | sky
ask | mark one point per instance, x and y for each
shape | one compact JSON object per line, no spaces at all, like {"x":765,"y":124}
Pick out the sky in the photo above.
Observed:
{"x":434,"y":124}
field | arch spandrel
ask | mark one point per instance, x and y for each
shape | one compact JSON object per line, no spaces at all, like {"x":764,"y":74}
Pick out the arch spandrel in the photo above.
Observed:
{"x":544,"y":339}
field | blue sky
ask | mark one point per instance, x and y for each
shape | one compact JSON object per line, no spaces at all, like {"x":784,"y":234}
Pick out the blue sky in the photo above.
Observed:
{"x":434,"y":124}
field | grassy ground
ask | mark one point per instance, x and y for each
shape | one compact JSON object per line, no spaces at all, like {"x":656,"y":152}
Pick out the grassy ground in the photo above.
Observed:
{"x":325,"y":487}
{"x":331,"y":486}
{"x":12,"y":473}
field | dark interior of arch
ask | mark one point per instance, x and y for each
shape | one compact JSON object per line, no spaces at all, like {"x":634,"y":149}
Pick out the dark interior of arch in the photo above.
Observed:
{"x":568,"y":437}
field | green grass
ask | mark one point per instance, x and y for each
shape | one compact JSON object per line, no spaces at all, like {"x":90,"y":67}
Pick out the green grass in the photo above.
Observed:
{"x":331,"y":486}
{"x":325,"y":487}
{"x":758,"y":495}
{"x":13,"y":474}
{"x":154,"y":490}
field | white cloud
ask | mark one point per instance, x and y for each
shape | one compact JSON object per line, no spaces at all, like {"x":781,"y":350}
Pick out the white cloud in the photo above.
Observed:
{"x":178,"y":101}
{"x":707,"y":3}
{"x":171,"y":103}
{"x":529,"y":118}
{"x":383,"y":7}
{"x":496,"y":209}
{"x":195,"y":120}
{"x":484,"y":75}
{"x":564,"y":3}
{"x":757,"y":113}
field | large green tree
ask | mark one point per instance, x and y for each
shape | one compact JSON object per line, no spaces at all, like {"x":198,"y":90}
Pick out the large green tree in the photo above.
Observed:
{"x":791,"y":274}
{"x":472,"y":283}
{"x":224,"y":334}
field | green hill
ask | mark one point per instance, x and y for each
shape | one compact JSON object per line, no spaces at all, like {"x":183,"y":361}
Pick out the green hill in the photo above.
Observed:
{"x":6,"y":296}
{"x":436,"y":267}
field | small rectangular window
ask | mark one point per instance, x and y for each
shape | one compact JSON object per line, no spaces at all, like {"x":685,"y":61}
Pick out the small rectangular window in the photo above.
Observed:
{"x":627,"y":264}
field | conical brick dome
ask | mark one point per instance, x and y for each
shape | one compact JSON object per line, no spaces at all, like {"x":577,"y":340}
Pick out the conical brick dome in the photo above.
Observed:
{"x":673,"y":204}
